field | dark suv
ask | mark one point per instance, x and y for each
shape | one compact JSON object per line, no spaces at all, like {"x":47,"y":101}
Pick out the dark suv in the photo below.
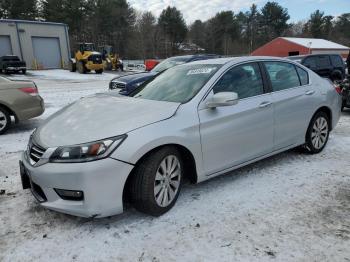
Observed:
{"x":331,"y":66}
{"x":128,"y":83}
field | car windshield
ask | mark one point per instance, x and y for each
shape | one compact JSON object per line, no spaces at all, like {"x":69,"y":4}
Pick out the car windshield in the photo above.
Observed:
{"x":8,"y":59}
{"x":178,"y":84}
{"x":168,"y":63}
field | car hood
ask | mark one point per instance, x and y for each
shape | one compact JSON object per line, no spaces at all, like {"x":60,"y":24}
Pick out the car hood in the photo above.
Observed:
{"x":100,"y":116}
{"x":138,"y":77}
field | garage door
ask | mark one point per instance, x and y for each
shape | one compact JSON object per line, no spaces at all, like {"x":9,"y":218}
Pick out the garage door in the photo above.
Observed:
{"x":47,"y":52}
{"x":5,"y":45}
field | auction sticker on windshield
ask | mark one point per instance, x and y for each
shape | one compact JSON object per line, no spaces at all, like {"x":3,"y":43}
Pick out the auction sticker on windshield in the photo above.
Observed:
{"x":205,"y":70}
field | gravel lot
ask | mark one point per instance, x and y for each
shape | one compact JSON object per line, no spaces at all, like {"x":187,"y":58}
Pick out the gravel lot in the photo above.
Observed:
{"x":290,"y":207}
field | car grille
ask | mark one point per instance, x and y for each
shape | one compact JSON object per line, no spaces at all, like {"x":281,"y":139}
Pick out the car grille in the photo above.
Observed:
{"x":118,"y":85}
{"x":35,"y":153}
{"x":96,"y":59}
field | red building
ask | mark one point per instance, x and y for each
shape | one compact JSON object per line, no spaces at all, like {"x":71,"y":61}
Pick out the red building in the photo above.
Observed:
{"x":290,"y":46}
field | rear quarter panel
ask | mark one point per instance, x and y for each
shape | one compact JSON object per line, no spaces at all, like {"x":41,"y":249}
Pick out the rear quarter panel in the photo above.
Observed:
{"x":328,"y":97}
{"x":23,"y":105}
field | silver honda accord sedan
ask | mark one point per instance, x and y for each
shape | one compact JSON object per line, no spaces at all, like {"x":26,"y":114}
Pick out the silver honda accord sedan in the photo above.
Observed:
{"x":193,"y":121}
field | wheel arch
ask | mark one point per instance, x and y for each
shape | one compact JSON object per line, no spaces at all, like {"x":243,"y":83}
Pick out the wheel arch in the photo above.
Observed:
{"x":188,"y":160}
{"x":328,"y":111}
{"x":9,"y":110}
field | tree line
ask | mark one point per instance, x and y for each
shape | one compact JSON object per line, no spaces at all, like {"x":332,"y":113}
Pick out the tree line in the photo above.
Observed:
{"x":139,"y":35}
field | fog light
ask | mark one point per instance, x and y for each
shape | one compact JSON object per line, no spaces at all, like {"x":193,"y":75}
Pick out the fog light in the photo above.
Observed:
{"x":74,"y":195}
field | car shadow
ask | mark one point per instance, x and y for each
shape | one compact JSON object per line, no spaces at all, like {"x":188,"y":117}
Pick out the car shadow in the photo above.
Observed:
{"x":23,"y":126}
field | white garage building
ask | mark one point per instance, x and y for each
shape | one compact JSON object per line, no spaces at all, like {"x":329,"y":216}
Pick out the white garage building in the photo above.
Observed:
{"x":42,"y":45}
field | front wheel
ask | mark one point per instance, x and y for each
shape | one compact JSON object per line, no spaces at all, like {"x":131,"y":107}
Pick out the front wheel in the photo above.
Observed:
{"x":317,"y":133}
{"x":24,"y":71}
{"x":156,"y":182}
{"x":99,"y":71}
{"x":81,"y":67}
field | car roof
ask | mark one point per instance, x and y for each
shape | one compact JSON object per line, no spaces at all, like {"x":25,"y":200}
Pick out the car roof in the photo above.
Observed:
{"x":226,"y":60}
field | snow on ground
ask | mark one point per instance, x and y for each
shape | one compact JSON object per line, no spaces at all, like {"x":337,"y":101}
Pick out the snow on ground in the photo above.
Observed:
{"x":60,"y":74}
{"x":290,"y":207}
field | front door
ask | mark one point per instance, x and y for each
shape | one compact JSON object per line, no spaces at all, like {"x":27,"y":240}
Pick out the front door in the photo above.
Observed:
{"x":236,"y":134}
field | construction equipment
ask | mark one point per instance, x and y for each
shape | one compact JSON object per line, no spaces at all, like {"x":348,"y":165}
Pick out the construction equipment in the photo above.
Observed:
{"x":86,"y":59}
{"x":111,"y":60}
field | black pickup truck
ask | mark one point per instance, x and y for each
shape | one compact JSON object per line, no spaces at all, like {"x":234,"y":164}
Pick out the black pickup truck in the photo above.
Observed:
{"x":11,"y":63}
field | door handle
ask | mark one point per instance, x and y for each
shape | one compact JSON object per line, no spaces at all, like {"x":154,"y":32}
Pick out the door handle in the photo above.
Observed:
{"x":309,"y":93}
{"x":265,"y":104}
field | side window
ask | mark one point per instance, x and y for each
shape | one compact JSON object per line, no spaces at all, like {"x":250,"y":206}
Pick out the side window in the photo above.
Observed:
{"x":282,"y":75}
{"x":310,"y":62}
{"x":303,"y":75}
{"x":324,"y":61}
{"x":245,"y":80}
{"x":337,"y":61}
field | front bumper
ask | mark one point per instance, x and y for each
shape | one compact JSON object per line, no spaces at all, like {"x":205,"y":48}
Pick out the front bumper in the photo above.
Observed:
{"x":101,"y":181}
{"x":15,"y":68}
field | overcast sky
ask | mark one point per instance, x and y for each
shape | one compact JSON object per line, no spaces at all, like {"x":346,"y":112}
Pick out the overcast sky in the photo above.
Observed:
{"x":204,"y":9}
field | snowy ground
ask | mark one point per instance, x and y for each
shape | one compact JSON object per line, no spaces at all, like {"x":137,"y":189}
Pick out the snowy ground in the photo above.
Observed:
{"x":291,"y":207}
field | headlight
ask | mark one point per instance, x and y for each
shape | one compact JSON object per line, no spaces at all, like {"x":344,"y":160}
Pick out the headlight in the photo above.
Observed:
{"x":86,"y":152}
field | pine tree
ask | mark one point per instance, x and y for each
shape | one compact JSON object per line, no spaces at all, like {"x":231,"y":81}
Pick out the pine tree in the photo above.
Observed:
{"x":19,"y":9}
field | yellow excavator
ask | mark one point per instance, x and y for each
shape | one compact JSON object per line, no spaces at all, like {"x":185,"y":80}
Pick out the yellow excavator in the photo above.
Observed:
{"x":111,"y":60}
{"x":86,"y":59}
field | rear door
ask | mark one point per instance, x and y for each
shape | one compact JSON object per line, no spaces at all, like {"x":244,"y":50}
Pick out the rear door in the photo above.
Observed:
{"x":293,"y":102}
{"x":324,"y":65}
{"x":235,"y":134}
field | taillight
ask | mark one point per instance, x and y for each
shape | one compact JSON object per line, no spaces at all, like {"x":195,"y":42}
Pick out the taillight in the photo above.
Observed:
{"x":33,"y":91}
{"x":337,"y":88}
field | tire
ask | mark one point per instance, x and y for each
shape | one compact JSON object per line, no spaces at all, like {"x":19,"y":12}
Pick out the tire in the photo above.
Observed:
{"x":72,"y":66}
{"x":336,"y":76}
{"x":100,"y":71}
{"x":109,"y":66}
{"x":147,"y":178}
{"x":24,"y":71}
{"x":5,"y":120}
{"x":81,"y":67}
{"x":318,"y":133}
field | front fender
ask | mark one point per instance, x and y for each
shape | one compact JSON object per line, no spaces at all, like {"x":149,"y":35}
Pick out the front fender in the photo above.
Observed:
{"x":183,"y":131}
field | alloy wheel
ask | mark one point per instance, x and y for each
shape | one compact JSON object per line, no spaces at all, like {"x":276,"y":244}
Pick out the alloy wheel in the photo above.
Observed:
{"x":3,"y":121}
{"x":319,"y":132}
{"x":167,"y":180}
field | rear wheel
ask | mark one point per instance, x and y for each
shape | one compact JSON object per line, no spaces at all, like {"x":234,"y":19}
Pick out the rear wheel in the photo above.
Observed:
{"x":99,"y":71}
{"x":72,"y":66}
{"x":24,"y":71}
{"x":156,"y":182}
{"x":5,"y":120}
{"x":318,"y":133}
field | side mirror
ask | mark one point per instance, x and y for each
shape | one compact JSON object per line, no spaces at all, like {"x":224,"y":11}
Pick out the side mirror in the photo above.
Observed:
{"x":222,"y":99}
